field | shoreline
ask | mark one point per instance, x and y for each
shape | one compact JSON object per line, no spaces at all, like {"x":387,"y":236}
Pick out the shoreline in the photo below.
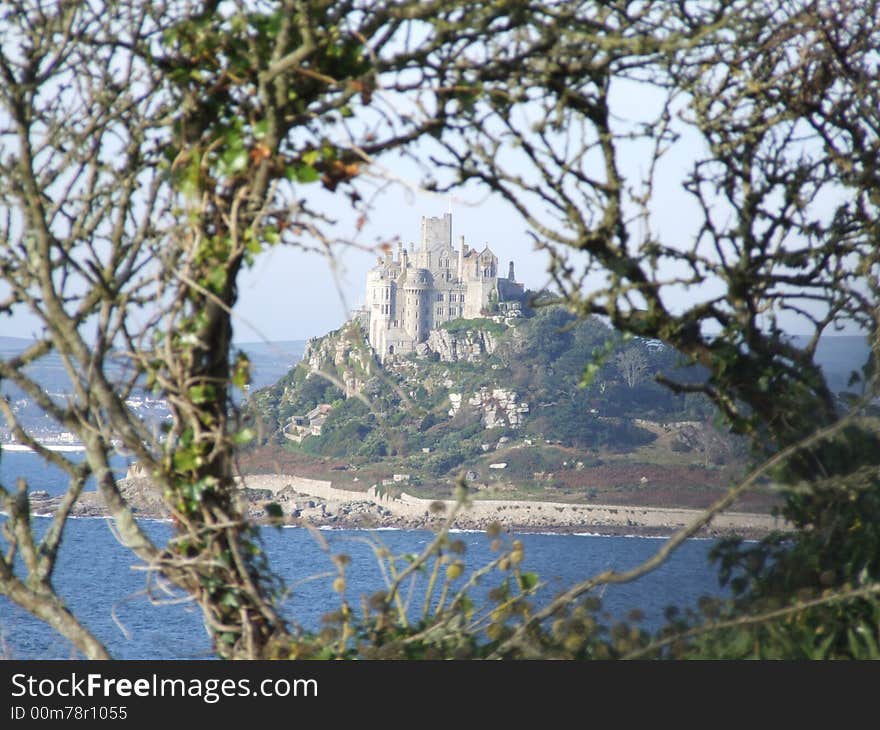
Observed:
{"x":316,"y":503}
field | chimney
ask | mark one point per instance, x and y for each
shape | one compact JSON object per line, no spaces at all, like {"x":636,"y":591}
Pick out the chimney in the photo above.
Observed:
{"x":510,"y":276}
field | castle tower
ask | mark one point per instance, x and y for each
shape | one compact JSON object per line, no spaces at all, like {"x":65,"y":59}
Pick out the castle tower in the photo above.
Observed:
{"x":436,"y":233}
{"x":417,"y":293}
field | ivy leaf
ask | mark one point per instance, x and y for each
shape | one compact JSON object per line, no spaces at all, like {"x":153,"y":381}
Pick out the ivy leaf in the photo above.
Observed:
{"x":200,"y":394}
{"x":245,"y":436}
{"x":233,"y":160}
{"x":303,"y":173}
{"x":184,"y":460}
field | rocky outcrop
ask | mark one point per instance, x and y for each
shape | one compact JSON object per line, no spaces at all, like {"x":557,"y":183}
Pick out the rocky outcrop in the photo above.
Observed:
{"x":345,"y":354}
{"x":497,"y":407}
{"x":471,"y":345}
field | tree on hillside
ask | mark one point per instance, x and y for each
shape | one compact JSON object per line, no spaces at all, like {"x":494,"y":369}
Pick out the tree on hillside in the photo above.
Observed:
{"x":151,"y":152}
{"x":632,"y":365}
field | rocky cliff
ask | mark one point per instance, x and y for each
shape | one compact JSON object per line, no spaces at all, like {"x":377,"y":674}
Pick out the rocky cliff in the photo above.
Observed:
{"x":472,"y":345}
{"x":343,"y":355}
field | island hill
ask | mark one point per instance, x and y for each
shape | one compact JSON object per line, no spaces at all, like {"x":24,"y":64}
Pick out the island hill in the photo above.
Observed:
{"x":524,"y":402}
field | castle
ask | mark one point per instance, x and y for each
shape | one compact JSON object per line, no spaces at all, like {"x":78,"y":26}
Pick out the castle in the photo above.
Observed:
{"x":416,"y":291}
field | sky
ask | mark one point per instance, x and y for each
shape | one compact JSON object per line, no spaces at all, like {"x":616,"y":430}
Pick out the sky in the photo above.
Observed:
{"x":291,"y":295}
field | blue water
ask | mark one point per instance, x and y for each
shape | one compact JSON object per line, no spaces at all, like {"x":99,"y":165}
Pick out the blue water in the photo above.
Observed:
{"x":102,"y":584}
{"x":44,"y":476}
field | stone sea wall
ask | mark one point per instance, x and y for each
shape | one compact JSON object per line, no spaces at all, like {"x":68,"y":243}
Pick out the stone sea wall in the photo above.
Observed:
{"x":479,"y":513}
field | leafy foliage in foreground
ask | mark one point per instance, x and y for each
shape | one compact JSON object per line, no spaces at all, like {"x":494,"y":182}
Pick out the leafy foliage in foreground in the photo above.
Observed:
{"x":151,"y":152}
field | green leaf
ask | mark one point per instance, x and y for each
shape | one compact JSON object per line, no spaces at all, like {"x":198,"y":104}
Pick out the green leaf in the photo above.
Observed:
{"x":200,"y":394}
{"x":741,"y":644}
{"x":245,"y":436}
{"x":527,"y":581}
{"x":866,"y":631}
{"x":184,"y":460}
{"x":216,"y":279}
{"x":302,"y":173}
{"x":234,"y":160}
{"x":271,"y":236}
{"x":821,"y":651}
{"x":188,"y":182}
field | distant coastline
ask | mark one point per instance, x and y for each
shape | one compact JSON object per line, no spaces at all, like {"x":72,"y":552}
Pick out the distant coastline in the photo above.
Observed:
{"x":312,"y":502}
{"x":317,"y":502}
{"x":12,"y":447}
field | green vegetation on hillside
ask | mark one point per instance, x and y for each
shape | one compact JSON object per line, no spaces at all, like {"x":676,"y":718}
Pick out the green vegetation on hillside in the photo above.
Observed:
{"x":551,"y":378}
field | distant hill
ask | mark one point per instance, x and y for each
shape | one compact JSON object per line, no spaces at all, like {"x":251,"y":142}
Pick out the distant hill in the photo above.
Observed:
{"x":13,"y":345}
{"x":476,"y":384}
{"x":271,"y":360}
{"x":839,"y":356}
{"x":574,"y":392}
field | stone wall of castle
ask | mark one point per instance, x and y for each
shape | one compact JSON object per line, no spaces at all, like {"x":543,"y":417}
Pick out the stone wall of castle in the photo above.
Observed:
{"x":411,"y":293}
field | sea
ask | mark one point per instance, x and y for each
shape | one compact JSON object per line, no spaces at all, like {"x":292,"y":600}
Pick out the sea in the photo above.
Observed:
{"x":104,"y":584}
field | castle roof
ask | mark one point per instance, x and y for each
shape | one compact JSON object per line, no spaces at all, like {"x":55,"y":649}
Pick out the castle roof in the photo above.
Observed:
{"x":473,"y":253}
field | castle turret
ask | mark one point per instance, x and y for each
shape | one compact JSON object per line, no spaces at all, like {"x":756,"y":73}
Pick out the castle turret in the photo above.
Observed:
{"x":461,"y":253}
{"x":510,"y":276}
{"x":418,"y":301}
